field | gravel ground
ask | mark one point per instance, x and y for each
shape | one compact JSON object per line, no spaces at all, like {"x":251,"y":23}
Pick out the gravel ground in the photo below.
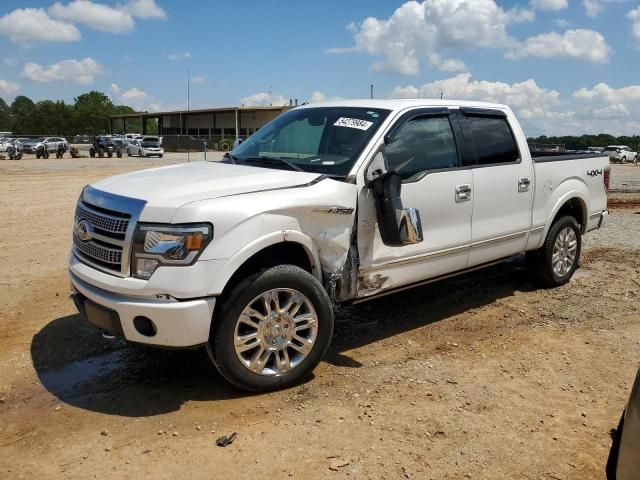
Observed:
{"x":623,"y":231}
{"x":481,"y":376}
{"x":625,"y":178}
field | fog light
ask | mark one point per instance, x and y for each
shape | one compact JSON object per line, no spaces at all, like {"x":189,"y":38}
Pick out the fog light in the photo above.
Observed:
{"x":145,"y":267}
{"x":144,"y":326}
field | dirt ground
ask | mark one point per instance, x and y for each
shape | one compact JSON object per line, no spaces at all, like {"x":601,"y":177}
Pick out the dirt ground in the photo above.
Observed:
{"x":483,"y":376}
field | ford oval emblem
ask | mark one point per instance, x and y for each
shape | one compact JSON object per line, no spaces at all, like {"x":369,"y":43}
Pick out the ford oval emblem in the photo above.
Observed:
{"x":84,"y":230}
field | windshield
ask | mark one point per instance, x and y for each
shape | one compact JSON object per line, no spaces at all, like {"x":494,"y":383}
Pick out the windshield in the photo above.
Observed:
{"x":150,"y":144}
{"x":324,"y":140}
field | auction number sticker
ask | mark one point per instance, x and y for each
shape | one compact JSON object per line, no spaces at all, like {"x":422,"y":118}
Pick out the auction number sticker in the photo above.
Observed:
{"x":353,"y":123}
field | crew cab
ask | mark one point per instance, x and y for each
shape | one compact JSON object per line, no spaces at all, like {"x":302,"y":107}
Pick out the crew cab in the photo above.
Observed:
{"x":329,"y":203}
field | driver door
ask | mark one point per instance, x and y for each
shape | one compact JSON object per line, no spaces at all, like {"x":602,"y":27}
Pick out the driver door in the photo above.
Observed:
{"x":423,"y":145}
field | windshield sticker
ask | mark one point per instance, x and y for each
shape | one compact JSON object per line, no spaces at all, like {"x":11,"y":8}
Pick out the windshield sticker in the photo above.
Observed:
{"x":353,"y":123}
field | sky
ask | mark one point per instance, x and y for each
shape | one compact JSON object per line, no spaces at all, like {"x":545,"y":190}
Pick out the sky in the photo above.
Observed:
{"x":564,"y":66}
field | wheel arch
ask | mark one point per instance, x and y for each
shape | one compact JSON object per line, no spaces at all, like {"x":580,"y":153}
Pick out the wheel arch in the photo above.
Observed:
{"x":573,"y":203}
{"x":278,"y":248}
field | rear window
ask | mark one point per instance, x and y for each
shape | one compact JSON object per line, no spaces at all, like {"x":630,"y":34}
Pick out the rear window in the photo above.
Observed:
{"x":493,"y":140}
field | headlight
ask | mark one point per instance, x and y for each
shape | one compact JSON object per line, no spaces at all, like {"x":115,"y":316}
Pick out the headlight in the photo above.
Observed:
{"x":175,"y":245}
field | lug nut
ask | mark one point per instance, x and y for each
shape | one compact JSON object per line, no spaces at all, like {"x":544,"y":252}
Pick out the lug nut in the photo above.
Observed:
{"x":268,"y":325}
{"x":284,"y":336}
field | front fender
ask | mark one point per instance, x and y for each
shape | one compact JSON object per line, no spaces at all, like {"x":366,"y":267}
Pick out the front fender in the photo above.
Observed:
{"x":231,"y":265}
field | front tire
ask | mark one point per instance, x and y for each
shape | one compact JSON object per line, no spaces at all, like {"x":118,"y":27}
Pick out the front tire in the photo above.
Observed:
{"x":272,"y":330}
{"x":555,"y":263}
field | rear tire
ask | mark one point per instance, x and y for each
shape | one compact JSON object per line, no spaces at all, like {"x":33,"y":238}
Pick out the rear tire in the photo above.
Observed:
{"x":272,"y":330}
{"x":128,"y":153}
{"x":555,"y":263}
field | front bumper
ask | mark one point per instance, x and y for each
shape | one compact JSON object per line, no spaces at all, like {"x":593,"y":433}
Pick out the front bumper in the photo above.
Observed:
{"x":175,"y":323}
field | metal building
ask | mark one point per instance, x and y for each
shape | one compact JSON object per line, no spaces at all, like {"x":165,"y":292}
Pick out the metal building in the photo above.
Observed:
{"x":230,"y":122}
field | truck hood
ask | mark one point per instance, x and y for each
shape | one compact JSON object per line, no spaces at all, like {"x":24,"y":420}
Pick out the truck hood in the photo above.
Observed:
{"x":166,"y":189}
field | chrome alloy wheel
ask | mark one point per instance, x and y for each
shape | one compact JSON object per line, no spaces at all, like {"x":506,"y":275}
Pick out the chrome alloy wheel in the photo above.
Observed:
{"x":276,"y":331}
{"x":564,"y":251}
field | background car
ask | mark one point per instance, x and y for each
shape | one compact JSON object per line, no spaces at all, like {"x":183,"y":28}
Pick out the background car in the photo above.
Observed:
{"x":621,"y":154}
{"x":5,"y":143}
{"x":50,"y":143}
{"x":147,"y":147}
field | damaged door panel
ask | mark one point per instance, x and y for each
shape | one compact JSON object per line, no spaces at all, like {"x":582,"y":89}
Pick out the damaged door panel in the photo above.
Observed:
{"x":446,"y":226}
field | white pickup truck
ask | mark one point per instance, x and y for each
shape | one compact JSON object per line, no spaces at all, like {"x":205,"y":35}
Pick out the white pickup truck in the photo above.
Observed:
{"x":329,"y":203}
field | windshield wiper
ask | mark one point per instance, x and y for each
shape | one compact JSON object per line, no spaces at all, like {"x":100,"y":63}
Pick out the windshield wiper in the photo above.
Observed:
{"x":274,"y":160}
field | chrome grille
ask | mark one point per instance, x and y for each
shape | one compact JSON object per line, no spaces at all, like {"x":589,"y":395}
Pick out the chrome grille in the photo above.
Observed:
{"x":107,"y":223}
{"x":101,"y":253}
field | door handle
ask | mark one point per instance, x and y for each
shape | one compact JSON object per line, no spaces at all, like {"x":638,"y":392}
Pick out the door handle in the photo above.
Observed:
{"x":463,"y":192}
{"x":523,"y":184}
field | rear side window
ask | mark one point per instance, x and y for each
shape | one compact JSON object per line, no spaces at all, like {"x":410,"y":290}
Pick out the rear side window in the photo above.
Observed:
{"x":423,"y":144}
{"x":493,"y":140}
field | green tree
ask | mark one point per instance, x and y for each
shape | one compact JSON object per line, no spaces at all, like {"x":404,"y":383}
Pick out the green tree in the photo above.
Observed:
{"x":24,"y":119}
{"x":6,"y":119}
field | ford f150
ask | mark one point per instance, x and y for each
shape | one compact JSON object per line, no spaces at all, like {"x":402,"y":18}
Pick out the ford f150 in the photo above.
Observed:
{"x":329,"y":203}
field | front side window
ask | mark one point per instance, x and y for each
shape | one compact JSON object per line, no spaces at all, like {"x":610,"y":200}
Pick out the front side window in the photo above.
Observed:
{"x":325,"y":140}
{"x":420,"y":145}
{"x":493,"y":140}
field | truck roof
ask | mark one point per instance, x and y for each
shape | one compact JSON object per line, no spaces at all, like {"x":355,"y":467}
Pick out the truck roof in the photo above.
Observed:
{"x":401,"y":104}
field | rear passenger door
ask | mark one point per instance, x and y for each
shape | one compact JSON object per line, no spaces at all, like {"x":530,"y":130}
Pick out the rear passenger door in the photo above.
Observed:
{"x":502,"y":187}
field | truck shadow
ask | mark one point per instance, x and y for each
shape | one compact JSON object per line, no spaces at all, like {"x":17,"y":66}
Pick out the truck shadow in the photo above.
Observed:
{"x":78,"y":366}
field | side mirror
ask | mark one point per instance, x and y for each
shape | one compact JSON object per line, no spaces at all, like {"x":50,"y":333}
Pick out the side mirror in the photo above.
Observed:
{"x":398,"y":225}
{"x":376,"y":169}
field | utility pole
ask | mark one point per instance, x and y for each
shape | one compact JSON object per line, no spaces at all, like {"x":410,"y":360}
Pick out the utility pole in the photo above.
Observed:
{"x":372,"y":91}
{"x":188,"y":109}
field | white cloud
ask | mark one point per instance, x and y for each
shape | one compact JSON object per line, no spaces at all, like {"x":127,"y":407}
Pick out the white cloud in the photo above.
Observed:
{"x":561,"y":22}
{"x":136,"y":98}
{"x":27,"y":25}
{"x":526,"y":96}
{"x":198,"y":79}
{"x":592,"y":7}
{"x":578,"y":44}
{"x":604,"y":94}
{"x":634,"y":16}
{"x":81,"y":72}
{"x":8,"y":89}
{"x":95,"y":15}
{"x":134,"y":94}
{"x":610,"y":112}
{"x":263,"y":99}
{"x":318,"y":97}
{"x":416,"y":32}
{"x":143,"y":9}
{"x":552,"y":5}
{"x":179,"y":56}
